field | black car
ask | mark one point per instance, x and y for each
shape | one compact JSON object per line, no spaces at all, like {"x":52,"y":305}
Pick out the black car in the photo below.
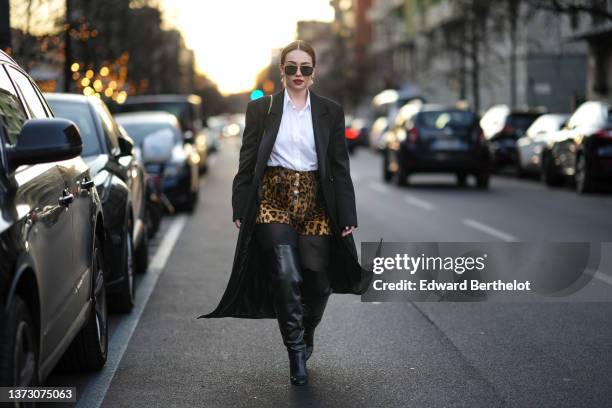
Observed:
{"x":436,"y":139}
{"x":356,"y":133}
{"x":530,"y":146}
{"x":52,"y":276}
{"x":582,"y":150}
{"x":187,"y":109}
{"x":179,"y":176}
{"x":120,"y":181}
{"x":502,"y":127}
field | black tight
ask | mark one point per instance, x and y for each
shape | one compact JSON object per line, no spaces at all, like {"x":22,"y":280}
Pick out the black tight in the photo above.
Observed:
{"x":314,"y":253}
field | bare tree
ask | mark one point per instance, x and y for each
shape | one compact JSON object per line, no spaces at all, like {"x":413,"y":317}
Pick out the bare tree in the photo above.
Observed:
{"x":596,"y":8}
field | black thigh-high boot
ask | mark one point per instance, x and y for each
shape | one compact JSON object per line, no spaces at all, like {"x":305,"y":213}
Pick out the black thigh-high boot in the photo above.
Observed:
{"x":286,"y":279}
{"x":314,"y":299}
{"x":315,"y":258}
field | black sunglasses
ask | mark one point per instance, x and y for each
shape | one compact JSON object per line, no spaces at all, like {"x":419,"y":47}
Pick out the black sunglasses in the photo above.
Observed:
{"x":292,"y":70}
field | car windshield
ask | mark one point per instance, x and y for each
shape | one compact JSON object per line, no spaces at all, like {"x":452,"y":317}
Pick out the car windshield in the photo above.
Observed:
{"x":80,"y":114}
{"x":522,"y":121}
{"x":138,"y":131}
{"x":445,"y":119}
{"x":181,"y":110}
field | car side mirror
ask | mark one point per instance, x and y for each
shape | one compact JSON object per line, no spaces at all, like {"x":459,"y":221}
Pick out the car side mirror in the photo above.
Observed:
{"x":126,"y":146}
{"x":157,"y":147}
{"x":45,"y":140}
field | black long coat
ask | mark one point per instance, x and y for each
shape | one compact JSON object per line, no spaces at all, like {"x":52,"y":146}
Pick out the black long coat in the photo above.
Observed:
{"x":248,"y":292}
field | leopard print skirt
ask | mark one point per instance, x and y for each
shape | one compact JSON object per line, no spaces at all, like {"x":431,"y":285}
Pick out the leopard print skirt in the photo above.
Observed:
{"x":293,"y":197}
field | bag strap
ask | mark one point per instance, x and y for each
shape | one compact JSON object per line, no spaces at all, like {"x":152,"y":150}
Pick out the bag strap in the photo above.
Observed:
{"x":270,"y":107}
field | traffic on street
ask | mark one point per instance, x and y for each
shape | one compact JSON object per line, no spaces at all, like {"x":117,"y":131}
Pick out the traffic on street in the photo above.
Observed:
{"x":136,"y":171}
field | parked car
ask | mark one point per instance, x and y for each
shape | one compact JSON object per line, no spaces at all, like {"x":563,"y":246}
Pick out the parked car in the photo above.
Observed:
{"x":582,"y":150}
{"x":188,"y":111}
{"x":379,"y":127}
{"x":153,"y":193}
{"x":356,"y":133}
{"x":530,"y":146}
{"x":120,"y":181}
{"x":179,"y":175}
{"x":434,"y":138}
{"x":502,"y":127}
{"x":52,"y":274}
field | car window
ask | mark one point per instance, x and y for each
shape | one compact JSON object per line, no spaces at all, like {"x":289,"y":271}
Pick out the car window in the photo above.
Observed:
{"x":138,"y":131}
{"x":521,"y":121}
{"x":12,"y":115}
{"x":108,"y":127}
{"x":446,"y":119}
{"x":538,"y":126}
{"x":589,"y":113}
{"x":80,"y":114}
{"x":32,"y":100}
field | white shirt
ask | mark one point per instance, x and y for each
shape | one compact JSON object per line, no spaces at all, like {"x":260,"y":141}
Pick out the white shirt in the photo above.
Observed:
{"x":294,"y":147}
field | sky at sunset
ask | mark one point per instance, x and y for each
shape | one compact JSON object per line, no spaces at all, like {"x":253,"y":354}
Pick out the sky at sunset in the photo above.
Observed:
{"x":233,"y":39}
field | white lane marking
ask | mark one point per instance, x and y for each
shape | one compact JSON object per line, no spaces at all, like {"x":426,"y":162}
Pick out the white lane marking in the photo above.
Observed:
{"x":417,"y":202}
{"x":603,"y":277}
{"x":94,"y":393}
{"x":489,"y":230}
{"x":379,"y":187}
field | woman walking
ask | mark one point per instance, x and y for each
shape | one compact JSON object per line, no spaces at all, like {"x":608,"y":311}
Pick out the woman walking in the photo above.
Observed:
{"x":294,"y":203}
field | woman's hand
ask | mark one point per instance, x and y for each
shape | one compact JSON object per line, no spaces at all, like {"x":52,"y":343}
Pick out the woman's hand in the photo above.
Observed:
{"x":348,"y":230}
{"x":237,"y":222}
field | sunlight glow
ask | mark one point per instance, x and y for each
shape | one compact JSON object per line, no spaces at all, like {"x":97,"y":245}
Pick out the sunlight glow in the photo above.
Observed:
{"x":233,"y":39}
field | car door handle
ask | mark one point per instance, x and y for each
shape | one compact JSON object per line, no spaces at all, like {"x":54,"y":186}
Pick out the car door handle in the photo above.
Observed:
{"x":66,"y":199}
{"x":87,"y":184}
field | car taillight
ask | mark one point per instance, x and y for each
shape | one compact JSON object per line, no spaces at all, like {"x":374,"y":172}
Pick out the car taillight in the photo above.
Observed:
{"x":351,"y":133}
{"x":413,"y":135}
{"x":604,"y":133}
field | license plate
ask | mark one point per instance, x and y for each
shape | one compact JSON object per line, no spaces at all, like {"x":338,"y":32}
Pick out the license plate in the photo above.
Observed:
{"x":450,"y":144}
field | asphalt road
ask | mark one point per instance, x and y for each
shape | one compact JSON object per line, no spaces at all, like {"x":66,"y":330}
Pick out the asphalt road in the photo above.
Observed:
{"x":366,"y":355}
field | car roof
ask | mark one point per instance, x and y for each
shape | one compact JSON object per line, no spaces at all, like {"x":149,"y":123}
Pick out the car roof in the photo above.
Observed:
{"x":68,"y":97}
{"x":162,"y":98}
{"x":431,"y":107}
{"x":146,"y":116}
{"x":4,"y":57}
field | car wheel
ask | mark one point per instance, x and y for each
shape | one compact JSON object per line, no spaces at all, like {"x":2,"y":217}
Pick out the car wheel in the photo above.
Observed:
{"x":482,"y":180}
{"x":584,"y":179}
{"x":549,"y":172}
{"x":18,"y":347}
{"x":123,"y":301}
{"x":461,"y":179}
{"x":142,"y":253}
{"x":387,"y":174}
{"x":154,"y":214}
{"x":89,"y":349}
{"x":520,"y":170}
{"x":401,"y":176}
{"x":191,"y":204}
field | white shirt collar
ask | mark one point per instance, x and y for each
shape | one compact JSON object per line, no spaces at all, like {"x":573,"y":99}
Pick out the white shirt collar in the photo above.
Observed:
{"x":289,"y":101}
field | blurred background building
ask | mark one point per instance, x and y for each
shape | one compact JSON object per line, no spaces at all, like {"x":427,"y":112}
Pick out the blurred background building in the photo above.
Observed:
{"x":523,"y":53}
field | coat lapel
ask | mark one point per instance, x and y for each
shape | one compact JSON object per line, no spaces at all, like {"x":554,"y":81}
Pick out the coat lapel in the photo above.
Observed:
{"x":320,"y":127}
{"x":319,"y":113}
